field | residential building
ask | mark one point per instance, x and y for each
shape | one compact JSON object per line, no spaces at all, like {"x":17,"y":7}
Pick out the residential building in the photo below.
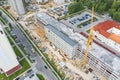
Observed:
{"x":108,"y":32}
{"x":8,"y":60}
{"x":18,"y":6}
{"x":61,"y":41}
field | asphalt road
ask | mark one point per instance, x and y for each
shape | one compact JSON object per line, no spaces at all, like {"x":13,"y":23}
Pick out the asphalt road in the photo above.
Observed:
{"x":39,"y":63}
{"x":41,"y":67}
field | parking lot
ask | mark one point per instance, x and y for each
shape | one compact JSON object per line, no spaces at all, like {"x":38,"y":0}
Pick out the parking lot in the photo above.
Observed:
{"x":79,"y":21}
{"x":22,"y":42}
{"x":26,"y":74}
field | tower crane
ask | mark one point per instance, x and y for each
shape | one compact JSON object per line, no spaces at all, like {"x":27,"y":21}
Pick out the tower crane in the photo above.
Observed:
{"x":89,"y":40}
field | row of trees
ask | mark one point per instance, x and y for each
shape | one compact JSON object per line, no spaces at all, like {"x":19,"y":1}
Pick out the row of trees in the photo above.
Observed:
{"x":101,"y":6}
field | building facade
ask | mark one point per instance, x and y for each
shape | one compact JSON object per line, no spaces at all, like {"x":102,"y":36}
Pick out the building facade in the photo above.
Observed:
{"x":18,"y":6}
{"x":61,"y":41}
{"x":101,"y":67}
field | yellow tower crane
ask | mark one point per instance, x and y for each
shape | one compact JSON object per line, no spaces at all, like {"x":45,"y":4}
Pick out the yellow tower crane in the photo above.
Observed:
{"x":89,"y":40}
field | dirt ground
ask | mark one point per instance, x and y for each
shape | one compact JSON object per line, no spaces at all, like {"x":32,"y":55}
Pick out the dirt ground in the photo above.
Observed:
{"x":49,"y":5}
{"x":38,"y":30}
{"x":14,"y":14}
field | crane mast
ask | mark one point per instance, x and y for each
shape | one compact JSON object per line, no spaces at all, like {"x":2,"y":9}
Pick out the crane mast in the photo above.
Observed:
{"x":89,"y":40}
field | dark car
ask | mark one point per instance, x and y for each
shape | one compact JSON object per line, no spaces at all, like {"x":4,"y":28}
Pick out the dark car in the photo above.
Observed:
{"x":29,"y":71}
{"x":45,"y":67}
{"x":17,"y":78}
{"x":31,"y":76}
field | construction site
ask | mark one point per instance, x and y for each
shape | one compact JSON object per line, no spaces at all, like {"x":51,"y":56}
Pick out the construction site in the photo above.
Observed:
{"x":88,"y":61}
{"x":80,"y":50}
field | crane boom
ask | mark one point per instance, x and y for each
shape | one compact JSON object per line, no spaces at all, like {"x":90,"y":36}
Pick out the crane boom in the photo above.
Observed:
{"x":89,"y":40}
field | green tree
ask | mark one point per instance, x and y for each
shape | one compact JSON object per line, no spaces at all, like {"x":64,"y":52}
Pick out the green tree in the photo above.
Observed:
{"x":108,"y":4}
{"x":101,"y":6}
{"x":116,"y":16}
{"x":111,"y":12}
{"x":76,"y":0}
{"x":75,"y":7}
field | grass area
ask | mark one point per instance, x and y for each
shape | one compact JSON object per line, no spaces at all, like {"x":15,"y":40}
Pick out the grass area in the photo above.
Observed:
{"x":88,"y":31}
{"x":24,"y":65}
{"x":2,"y":20}
{"x":8,"y":29}
{"x":86,"y":23}
{"x":23,"y":49}
{"x":29,"y":59}
{"x":10,"y":41}
{"x":40,"y":77}
{"x":17,"y":52}
{"x":62,"y":75}
{"x":79,"y":26}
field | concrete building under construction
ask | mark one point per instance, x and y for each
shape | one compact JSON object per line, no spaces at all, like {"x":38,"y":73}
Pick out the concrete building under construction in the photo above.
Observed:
{"x":61,"y":41}
{"x":99,"y":58}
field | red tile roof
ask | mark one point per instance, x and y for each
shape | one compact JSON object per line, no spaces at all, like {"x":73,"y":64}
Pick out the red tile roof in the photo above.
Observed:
{"x":104,"y":26}
{"x":13,"y":70}
{"x":85,"y":35}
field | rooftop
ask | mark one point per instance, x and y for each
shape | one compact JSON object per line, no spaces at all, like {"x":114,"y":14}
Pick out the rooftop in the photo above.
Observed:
{"x":62,"y":35}
{"x":46,"y":19}
{"x":8,"y":59}
{"x":109,"y":29}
